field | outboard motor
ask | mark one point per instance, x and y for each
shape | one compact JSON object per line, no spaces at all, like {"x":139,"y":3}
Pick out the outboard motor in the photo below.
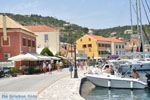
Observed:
{"x":148,"y":79}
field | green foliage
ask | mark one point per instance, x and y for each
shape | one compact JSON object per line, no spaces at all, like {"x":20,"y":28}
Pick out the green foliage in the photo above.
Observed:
{"x":120,"y":31}
{"x":31,"y":70}
{"x":46,"y":52}
{"x":72,"y":32}
{"x":14,"y":70}
{"x":34,"y":19}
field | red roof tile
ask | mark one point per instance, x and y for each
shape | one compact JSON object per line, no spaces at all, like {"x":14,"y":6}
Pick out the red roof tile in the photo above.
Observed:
{"x":101,"y":38}
{"x":41,"y":28}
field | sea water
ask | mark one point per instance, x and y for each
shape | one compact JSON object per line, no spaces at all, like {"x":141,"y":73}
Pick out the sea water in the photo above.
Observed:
{"x":100,"y":93}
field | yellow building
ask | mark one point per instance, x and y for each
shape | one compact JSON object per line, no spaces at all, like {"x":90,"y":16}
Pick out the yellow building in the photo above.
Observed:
{"x":98,"y":46}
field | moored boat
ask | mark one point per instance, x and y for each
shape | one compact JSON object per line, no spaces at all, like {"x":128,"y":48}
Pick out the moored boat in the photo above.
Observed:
{"x":117,"y":80}
{"x":111,"y":81}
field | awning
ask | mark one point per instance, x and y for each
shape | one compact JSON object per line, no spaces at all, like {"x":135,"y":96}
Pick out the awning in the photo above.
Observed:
{"x":54,"y":58}
{"x":41,"y":57}
{"x":82,"y":58}
{"x":97,"y":57}
{"x":31,"y":57}
{"x":23,"y":57}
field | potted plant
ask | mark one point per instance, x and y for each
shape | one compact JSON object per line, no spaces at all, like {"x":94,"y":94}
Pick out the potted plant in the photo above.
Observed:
{"x":14,"y":71}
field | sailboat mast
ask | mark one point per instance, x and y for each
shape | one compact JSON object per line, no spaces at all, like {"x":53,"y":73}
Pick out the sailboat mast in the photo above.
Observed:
{"x":130,"y":2}
{"x":137,"y":16}
{"x":141,"y":29}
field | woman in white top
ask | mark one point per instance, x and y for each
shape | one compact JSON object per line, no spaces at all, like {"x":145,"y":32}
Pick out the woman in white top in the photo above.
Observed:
{"x":50,"y":67}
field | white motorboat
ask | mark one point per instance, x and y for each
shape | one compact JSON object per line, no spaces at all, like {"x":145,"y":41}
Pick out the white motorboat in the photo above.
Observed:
{"x":137,"y":64}
{"x":115,"y":81}
{"x":139,"y":61}
{"x":111,"y":81}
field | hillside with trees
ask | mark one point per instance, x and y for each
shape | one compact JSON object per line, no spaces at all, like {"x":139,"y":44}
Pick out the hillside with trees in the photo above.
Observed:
{"x":71,"y":32}
{"x":120,"y":32}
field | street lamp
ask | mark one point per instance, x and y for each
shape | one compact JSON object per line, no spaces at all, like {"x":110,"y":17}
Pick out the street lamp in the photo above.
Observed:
{"x":75,"y":69}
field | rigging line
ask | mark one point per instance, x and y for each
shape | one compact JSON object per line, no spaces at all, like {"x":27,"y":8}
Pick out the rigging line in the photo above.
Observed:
{"x":147,"y":5}
{"x":130,"y":2}
{"x":147,"y":20}
{"x":142,"y":26}
{"x":145,"y":34}
{"x":141,"y":29}
{"x":145,"y":12}
{"x":137,"y":15}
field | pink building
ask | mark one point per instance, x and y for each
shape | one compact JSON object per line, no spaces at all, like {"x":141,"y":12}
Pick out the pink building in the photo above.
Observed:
{"x":14,"y":39}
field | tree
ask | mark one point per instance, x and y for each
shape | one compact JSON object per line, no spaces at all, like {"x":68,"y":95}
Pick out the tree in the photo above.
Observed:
{"x":46,"y":52}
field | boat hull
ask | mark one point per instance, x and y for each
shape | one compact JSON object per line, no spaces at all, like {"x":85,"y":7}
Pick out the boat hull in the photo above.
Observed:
{"x":116,"y":83}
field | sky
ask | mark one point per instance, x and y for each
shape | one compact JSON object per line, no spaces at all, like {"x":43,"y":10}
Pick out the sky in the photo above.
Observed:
{"x":96,"y":14}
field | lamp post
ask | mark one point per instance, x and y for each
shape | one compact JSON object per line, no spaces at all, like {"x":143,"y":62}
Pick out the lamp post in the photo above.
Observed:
{"x":75,"y":69}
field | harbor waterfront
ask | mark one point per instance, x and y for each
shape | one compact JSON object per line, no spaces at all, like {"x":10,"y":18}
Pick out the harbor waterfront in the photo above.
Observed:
{"x":101,"y":93}
{"x":75,"y":50}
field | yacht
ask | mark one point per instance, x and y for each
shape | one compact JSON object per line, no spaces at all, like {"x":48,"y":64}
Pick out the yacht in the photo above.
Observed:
{"x":116,"y":80}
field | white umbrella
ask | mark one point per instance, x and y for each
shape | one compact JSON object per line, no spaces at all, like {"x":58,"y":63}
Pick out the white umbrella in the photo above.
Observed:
{"x":44,"y":58}
{"x":23,"y":57}
{"x":17,"y":58}
{"x":30,"y":57}
{"x":55,"y":58}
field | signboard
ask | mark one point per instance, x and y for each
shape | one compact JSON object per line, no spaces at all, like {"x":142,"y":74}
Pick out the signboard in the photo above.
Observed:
{"x":7,"y":64}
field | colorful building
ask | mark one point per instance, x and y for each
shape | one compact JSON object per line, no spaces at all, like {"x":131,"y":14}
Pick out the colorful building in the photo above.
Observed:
{"x":98,"y":46}
{"x":46,"y":37}
{"x":14,"y":38}
{"x":67,"y":50}
{"x":132,"y":45}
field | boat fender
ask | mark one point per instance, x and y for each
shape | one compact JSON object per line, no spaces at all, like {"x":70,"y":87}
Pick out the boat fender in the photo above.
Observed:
{"x":148,"y":79}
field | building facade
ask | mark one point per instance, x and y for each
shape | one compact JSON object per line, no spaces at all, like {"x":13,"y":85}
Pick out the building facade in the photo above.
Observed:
{"x":14,"y":39}
{"x":46,"y":37}
{"x":98,"y":46}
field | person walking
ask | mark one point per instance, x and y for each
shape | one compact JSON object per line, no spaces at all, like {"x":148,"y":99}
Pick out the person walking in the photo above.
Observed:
{"x":50,"y":68}
{"x":44,"y":67}
{"x":82,"y":65}
{"x":86,"y":65}
{"x":57,"y":65}
{"x":61,"y":65}
{"x":52,"y":64}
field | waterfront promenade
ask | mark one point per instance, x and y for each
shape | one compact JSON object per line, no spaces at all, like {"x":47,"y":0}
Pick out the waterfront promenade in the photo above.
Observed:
{"x":64,"y":89}
{"x":55,"y":86}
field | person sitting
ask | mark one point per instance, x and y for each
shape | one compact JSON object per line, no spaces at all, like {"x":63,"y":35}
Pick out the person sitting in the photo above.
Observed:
{"x":100,"y":68}
{"x":107,"y":69}
{"x":111,"y":70}
{"x":135,"y":74}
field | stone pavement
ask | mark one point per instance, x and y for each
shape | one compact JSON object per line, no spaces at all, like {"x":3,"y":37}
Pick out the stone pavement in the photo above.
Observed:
{"x":31,"y":83}
{"x":64,"y":89}
{"x":55,"y":86}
